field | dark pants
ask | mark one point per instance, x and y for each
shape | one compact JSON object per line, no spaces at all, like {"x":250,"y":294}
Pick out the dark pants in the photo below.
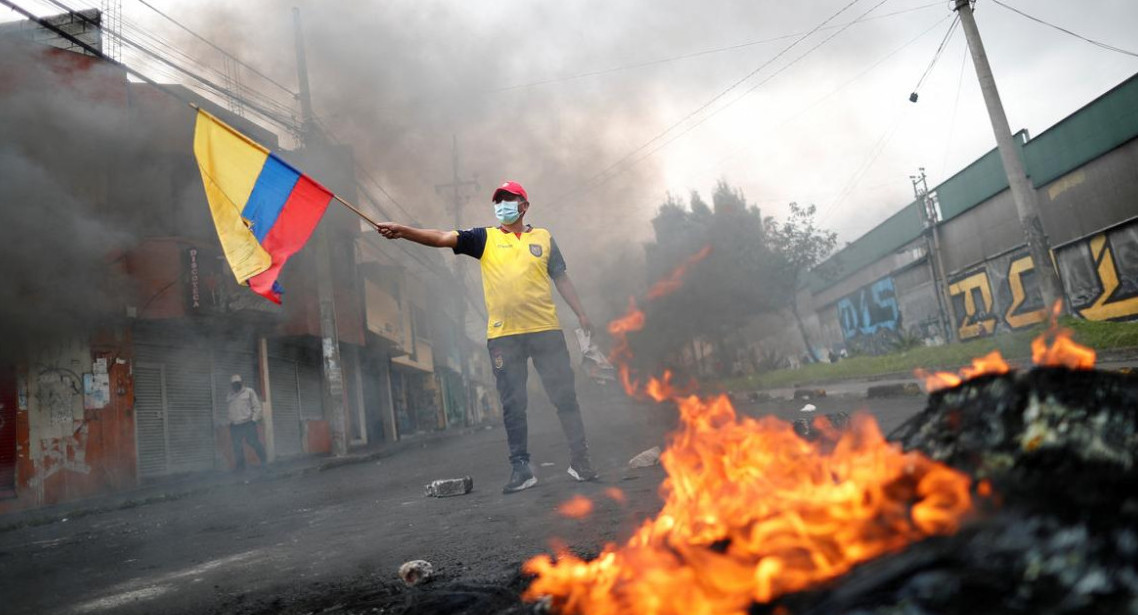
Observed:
{"x":510,"y":356}
{"x":246,"y":431}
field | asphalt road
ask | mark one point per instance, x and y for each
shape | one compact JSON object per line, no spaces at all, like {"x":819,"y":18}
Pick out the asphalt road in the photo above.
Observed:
{"x":333,"y":540}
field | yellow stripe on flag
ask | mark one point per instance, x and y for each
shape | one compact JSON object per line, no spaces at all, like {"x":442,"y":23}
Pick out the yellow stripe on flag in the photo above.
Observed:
{"x":230,"y":164}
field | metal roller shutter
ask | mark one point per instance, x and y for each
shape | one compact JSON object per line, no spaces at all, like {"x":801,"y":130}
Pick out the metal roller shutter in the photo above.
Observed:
{"x":311,"y":391}
{"x":286,"y":406}
{"x":189,"y":416}
{"x":187,"y":403}
{"x":150,"y":420}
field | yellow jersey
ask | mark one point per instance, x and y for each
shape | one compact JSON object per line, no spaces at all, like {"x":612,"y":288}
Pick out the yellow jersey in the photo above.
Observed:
{"x":517,"y":275}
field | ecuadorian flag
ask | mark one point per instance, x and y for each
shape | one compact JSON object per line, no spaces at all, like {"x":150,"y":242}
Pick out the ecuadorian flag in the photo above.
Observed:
{"x":264,"y":209}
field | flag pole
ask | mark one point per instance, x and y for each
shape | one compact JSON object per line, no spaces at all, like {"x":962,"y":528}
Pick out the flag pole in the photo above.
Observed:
{"x":356,"y":211}
{"x":359,"y":213}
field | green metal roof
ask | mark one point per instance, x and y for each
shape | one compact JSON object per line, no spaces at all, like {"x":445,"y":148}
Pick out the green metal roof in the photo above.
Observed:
{"x":901,"y":228}
{"x":1106,"y":123}
{"x":1099,"y":127}
{"x":975,"y":183}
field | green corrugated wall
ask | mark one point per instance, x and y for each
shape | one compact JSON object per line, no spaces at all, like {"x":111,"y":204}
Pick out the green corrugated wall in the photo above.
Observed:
{"x":1108,"y":122}
{"x":1104,"y":124}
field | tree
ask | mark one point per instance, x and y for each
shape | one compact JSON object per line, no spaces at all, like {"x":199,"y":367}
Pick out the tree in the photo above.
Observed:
{"x":799,"y":245}
{"x":721,"y":293}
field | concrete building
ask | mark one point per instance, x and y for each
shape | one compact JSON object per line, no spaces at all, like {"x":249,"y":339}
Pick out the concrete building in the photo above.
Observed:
{"x":135,"y":389}
{"x":881,"y":286}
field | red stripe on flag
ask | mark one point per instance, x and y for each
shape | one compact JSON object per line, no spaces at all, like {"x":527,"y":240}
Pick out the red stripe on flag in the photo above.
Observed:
{"x":298,"y":218}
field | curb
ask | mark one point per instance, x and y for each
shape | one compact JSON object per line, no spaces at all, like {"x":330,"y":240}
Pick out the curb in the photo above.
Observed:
{"x":905,"y":389}
{"x":1110,"y":355}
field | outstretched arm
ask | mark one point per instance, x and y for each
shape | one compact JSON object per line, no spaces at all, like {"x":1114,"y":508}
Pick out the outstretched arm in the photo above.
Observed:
{"x":569,"y":292}
{"x":428,"y":237}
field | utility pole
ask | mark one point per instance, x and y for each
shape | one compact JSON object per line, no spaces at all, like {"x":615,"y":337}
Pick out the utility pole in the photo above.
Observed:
{"x":1023,"y":193}
{"x":333,"y":374}
{"x":931,"y":219}
{"x":457,"y":189}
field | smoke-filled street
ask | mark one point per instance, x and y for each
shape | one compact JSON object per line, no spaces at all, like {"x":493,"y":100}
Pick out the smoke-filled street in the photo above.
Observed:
{"x":309,"y":543}
{"x":530,"y":307}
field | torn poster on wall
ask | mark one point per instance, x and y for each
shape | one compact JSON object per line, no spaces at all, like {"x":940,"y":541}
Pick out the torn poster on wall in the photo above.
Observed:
{"x":96,"y":391}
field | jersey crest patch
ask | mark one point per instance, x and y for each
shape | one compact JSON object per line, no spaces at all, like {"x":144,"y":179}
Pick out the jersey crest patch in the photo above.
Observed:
{"x":535,"y":249}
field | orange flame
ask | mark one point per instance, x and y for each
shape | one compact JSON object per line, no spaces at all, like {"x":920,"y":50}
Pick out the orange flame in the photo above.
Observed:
{"x":752,"y":512}
{"x":991,"y":363}
{"x":576,"y":507}
{"x":633,"y":320}
{"x":1063,"y":351}
{"x":675,"y":279}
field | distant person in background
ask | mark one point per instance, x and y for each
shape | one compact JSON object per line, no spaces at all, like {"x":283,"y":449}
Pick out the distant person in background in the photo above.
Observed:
{"x":833,"y":356}
{"x":244,"y":413}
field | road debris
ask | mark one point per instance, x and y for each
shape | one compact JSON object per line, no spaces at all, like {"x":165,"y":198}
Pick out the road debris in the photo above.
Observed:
{"x":648,"y":458}
{"x":448,"y":487}
{"x":900,"y":389}
{"x":416,"y":571}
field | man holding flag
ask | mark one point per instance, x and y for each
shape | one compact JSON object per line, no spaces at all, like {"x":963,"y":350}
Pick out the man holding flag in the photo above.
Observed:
{"x":519,"y":262}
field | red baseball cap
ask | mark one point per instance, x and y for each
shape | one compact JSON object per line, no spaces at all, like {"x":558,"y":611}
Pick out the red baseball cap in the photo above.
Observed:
{"x":510,"y":188}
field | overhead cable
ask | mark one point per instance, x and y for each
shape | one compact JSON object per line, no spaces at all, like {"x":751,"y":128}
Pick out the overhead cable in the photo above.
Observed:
{"x":936,"y":56}
{"x":606,"y":174}
{"x":1066,"y":31}
{"x":695,"y":54}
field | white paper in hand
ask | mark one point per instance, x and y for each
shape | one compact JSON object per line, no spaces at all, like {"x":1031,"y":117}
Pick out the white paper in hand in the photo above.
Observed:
{"x":595,"y":362}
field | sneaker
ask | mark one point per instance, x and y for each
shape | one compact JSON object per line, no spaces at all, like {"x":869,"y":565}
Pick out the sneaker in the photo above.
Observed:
{"x":582,"y":470}
{"x":521,"y":478}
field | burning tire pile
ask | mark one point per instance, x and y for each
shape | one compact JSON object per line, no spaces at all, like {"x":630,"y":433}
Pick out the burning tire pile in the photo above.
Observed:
{"x":1059,"y":534}
{"x":1013,"y":491}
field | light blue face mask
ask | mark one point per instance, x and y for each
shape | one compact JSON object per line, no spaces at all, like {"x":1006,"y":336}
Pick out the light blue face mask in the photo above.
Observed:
{"x":506,"y":211}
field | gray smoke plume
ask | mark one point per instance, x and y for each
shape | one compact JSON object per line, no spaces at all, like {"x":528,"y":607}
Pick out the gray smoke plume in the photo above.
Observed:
{"x":81,"y":180}
{"x":398,"y":80}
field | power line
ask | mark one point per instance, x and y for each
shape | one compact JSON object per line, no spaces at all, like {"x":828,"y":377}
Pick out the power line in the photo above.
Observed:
{"x":89,"y":49}
{"x":97,"y":53}
{"x":367,"y":174}
{"x":1066,"y":31}
{"x":863,"y":170}
{"x":144,"y":44}
{"x":261,"y":110}
{"x":803,"y":111}
{"x":955,"y":108}
{"x":757,"y":85}
{"x":604,"y":174}
{"x":219,"y":49}
{"x":936,"y":56}
{"x":694,"y":54}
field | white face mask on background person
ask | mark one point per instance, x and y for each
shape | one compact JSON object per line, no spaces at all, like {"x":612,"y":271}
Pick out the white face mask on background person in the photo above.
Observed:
{"x":506,"y":211}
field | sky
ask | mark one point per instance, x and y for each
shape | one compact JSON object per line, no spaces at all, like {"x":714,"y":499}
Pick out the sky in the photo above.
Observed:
{"x":576,"y":99}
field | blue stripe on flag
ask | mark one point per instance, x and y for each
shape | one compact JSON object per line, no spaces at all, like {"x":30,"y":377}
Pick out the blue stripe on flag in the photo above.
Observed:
{"x":269,"y":195}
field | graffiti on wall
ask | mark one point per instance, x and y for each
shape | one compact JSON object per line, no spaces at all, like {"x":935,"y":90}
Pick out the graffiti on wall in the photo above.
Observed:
{"x":66,"y":453}
{"x":870,"y":318}
{"x":1002,"y":294}
{"x":1100,"y":275}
